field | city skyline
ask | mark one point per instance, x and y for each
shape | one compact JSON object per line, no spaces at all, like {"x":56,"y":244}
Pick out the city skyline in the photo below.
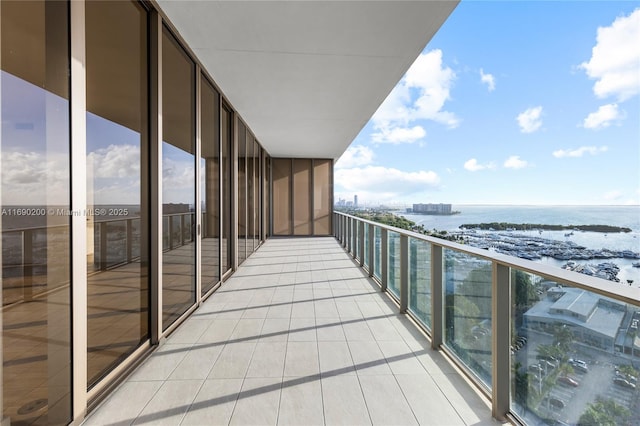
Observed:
{"x":532,"y":103}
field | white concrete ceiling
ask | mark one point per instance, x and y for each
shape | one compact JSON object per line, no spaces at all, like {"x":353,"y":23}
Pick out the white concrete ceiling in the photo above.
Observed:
{"x":306,"y":76}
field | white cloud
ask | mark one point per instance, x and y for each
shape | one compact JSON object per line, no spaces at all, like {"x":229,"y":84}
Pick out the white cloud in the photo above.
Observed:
{"x":34,"y":178}
{"x":603,"y":117}
{"x":514,"y":162}
{"x":383,"y":183}
{"x":615,"y":59}
{"x":354,"y":156}
{"x":488,"y":79}
{"x":420,"y":95}
{"x":473,"y":166}
{"x":579,"y":152}
{"x":399,"y":135}
{"x":115,"y":161}
{"x":530,"y":120}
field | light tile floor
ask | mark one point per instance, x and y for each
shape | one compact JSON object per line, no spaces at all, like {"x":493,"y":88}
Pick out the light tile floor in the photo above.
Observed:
{"x":299,"y":335}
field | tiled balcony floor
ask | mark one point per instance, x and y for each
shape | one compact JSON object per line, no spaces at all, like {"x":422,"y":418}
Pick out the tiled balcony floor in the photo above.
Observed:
{"x":298,"y":336}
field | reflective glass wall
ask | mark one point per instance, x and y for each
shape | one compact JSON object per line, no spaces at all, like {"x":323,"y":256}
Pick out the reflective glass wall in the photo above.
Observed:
{"x":35,"y":319}
{"x":302,"y":196}
{"x":209,"y":185}
{"x":178,"y":180}
{"x":117,"y":183}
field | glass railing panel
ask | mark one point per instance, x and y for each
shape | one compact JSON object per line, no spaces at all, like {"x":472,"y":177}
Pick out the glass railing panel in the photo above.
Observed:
{"x":377,"y":252}
{"x":365,"y":255}
{"x":420,"y":280}
{"x":574,"y":355}
{"x":166,"y":235}
{"x":393,"y":270}
{"x":467,"y":289}
{"x":356,"y":231}
{"x":116,"y":232}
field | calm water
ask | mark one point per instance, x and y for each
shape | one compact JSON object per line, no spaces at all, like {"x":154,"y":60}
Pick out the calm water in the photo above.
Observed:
{"x":624,"y":216}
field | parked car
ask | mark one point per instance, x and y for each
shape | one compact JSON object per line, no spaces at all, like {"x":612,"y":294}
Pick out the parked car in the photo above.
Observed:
{"x":623,"y":382}
{"x":579,"y":365}
{"x":556,"y":403}
{"x":568,"y":381}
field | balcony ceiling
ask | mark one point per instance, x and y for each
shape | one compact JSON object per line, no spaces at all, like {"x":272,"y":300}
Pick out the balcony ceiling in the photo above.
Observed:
{"x":306,"y":75}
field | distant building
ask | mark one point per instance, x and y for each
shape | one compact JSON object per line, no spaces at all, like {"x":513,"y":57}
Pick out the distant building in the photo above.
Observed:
{"x":432,"y":208}
{"x":355,"y":201}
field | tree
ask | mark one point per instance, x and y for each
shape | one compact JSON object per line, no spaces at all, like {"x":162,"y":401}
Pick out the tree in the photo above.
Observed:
{"x":525,"y":291}
{"x":605,"y":412}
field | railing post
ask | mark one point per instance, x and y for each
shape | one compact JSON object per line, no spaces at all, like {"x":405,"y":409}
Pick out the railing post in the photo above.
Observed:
{"x":384,"y":258}
{"x":361,"y":242}
{"x":347,"y":239}
{"x":437,"y":299}
{"x":501,"y":332}
{"x":129,"y":224}
{"x":404,"y":273}
{"x":371,"y":237}
{"x":103,"y":246}
{"x":170,"y":219}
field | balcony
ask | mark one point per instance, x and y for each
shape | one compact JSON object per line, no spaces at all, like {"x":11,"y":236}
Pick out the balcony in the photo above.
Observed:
{"x":298,"y":335}
{"x":303,"y":334}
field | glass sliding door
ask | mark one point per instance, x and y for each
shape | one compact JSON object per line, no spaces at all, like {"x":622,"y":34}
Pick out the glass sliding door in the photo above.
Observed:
{"x":210,"y":185}
{"x":322,"y":196}
{"x":117,"y":158}
{"x":178,"y":180}
{"x":301,"y":197}
{"x":242,"y":193}
{"x":35,"y":319}
{"x":226,"y":137}
{"x":281,"y":169}
{"x":250,"y":193}
{"x":257,"y":218}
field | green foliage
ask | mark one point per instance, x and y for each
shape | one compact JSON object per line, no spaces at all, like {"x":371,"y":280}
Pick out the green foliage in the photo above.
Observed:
{"x":605,"y":412}
{"x":503,"y":226}
{"x":525,"y":291}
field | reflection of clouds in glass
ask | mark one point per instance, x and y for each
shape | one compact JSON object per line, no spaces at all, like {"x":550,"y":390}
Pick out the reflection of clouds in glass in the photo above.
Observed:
{"x":115,"y":161}
{"x":178,"y":175}
{"x":33,"y":178}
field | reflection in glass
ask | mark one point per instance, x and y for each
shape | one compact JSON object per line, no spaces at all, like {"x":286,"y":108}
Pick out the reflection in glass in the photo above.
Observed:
{"x":281,"y":196}
{"x":117,"y":146}
{"x":178,"y":179}
{"x":257,"y":169}
{"x":210,"y":186}
{"x":468,"y":283}
{"x":227,"y":181}
{"x":420,"y":280}
{"x":250,"y":194}
{"x":35,"y":348}
{"x":562,"y":342}
{"x":301,"y":196}
{"x":322,"y":195}
{"x":267,"y":196}
{"x":242,"y":193}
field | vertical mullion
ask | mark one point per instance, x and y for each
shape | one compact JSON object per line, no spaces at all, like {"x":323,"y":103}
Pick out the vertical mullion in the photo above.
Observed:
{"x":221,"y":211}
{"x":198,"y":218}
{"x":235,"y":196}
{"x":78,"y":188}
{"x":371,"y":254}
{"x":155,"y":179}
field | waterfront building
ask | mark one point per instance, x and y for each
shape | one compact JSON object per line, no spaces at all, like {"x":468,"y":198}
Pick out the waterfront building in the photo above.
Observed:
{"x":432,"y":208}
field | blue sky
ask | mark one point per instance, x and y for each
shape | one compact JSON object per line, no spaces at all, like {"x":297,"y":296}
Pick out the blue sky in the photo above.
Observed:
{"x":511,"y":102}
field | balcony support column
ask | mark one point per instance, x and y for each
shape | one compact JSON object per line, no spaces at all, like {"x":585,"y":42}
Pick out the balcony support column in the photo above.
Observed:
{"x":501,"y":331}
{"x":404,"y":273}
{"x":384,"y":258}
{"x":437,"y":297}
